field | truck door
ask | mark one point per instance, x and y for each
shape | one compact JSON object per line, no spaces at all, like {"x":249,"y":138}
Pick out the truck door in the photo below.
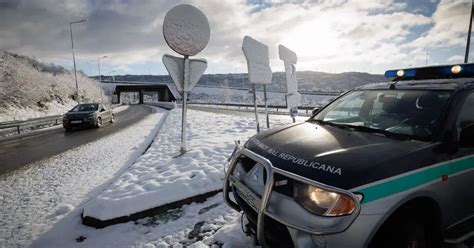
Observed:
{"x":462,"y":178}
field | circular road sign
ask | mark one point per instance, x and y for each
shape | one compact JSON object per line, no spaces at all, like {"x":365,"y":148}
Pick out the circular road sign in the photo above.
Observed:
{"x":186,"y":29}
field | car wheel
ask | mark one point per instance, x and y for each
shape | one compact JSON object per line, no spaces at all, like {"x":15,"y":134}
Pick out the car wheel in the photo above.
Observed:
{"x":402,"y":232}
{"x":68,"y":128}
{"x":112,"y":119}
{"x":99,"y":122}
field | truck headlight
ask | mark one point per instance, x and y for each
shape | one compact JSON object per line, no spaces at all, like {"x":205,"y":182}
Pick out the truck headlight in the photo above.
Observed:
{"x":323,"y":202}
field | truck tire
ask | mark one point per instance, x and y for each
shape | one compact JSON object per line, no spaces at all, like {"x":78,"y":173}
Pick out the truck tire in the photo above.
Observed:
{"x":402,"y":233}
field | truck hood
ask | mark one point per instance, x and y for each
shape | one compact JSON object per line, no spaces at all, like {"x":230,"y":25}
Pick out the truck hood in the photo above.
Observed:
{"x":333,"y":156}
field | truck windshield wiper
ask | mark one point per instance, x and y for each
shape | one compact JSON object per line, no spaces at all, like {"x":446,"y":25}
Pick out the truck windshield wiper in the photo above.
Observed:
{"x":361,"y":129}
{"x":343,"y":126}
{"x":376,"y":130}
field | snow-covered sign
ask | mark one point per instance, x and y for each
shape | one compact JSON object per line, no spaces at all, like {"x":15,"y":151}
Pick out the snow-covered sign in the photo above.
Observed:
{"x":258,"y":61}
{"x":175,"y":67}
{"x":293,"y":97}
{"x":186,"y":30}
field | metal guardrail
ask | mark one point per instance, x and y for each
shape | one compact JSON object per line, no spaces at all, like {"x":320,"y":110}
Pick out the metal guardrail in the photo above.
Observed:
{"x":36,"y":123}
{"x":41,"y":121}
{"x":249,"y":107}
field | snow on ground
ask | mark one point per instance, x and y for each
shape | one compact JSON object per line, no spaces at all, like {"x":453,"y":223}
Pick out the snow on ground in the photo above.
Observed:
{"x":195,"y":225}
{"x":50,"y":109}
{"x":148,"y":183}
{"x":158,"y":177}
{"x":37,"y":196}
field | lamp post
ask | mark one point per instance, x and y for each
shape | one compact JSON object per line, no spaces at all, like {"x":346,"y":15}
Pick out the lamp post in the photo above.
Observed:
{"x":100,"y":76}
{"x":73,"y":56}
{"x":468,"y":43}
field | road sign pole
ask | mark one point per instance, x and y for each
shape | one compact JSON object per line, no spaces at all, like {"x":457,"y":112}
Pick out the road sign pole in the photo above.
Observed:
{"x":255,"y":105}
{"x":266,"y":105}
{"x":185,"y":99}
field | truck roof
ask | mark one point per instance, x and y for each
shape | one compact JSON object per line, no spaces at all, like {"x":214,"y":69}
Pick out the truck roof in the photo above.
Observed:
{"x":430,"y":84}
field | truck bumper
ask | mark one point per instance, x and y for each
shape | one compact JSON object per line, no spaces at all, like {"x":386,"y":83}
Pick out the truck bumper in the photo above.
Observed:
{"x":268,"y":211}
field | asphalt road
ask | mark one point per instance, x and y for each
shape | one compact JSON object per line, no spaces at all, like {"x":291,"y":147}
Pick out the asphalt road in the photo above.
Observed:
{"x":17,"y":153}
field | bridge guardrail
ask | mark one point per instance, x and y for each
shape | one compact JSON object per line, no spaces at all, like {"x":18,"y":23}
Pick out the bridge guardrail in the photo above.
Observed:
{"x":249,"y":107}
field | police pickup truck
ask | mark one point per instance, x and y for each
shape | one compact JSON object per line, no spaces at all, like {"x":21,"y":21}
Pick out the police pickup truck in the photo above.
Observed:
{"x":383,"y":165}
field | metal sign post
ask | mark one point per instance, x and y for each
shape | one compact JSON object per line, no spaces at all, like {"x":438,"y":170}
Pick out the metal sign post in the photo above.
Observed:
{"x":258,"y":65}
{"x":255,"y":105}
{"x":293,"y":98}
{"x":186,"y":30}
{"x":266,"y":105}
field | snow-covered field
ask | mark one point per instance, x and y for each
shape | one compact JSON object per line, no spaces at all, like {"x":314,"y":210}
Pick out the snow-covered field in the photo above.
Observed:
{"x":37,"y":196}
{"x":159,"y":177}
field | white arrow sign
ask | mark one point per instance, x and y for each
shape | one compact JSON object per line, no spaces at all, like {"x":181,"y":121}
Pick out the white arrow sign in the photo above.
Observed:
{"x":258,"y":62}
{"x":289,"y":58}
{"x":175,"y":67}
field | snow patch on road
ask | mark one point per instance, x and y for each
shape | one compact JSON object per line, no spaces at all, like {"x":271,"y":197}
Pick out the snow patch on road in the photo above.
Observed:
{"x":120,"y":108}
{"x":37,"y":196}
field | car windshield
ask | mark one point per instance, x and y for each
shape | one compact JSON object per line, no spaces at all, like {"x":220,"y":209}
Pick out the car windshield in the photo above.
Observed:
{"x":85,"y":107}
{"x":404,"y":113}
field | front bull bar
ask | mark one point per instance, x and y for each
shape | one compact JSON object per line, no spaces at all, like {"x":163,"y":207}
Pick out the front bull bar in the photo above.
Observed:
{"x":265,"y":198}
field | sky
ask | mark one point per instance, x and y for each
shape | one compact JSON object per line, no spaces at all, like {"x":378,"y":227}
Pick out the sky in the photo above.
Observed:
{"x":327,"y":35}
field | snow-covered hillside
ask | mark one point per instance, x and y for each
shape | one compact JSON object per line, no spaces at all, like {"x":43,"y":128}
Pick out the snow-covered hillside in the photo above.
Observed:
{"x":30,"y":89}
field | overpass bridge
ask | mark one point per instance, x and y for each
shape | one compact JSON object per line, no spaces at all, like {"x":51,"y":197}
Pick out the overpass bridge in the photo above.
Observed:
{"x":165,"y":92}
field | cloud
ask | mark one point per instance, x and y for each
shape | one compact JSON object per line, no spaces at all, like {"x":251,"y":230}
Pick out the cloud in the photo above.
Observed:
{"x":347,"y":35}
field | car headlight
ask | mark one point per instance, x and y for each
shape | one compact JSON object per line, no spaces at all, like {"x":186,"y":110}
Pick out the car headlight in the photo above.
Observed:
{"x":323,"y":202}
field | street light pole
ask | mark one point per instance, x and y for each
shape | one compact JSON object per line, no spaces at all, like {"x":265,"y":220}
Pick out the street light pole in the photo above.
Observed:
{"x":73,"y":56}
{"x":100,"y":76}
{"x":466,"y":56}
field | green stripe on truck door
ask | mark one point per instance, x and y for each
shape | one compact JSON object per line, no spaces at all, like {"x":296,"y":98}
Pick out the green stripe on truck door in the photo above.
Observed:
{"x":400,"y":184}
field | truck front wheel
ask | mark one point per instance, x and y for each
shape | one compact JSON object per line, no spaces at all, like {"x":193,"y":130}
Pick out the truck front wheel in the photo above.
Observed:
{"x":403,"y":233}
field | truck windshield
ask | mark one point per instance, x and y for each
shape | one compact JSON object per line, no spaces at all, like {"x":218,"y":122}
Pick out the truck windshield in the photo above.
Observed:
{"x":405,"y":113}
{"x":85,"y":107}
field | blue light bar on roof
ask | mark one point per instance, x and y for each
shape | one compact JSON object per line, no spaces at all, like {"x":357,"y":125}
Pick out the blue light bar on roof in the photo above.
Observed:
{"x":400,"y":73}
{"x":432,"y":72}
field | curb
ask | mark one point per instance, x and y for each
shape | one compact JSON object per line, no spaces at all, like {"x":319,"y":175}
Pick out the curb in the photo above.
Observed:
{"x":143,"y":147}
{"x":93,"y":222}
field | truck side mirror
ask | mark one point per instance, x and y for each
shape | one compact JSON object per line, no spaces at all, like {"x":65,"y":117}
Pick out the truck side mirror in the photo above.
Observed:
{"x":315,"y":110}
{"x":466,"y":139}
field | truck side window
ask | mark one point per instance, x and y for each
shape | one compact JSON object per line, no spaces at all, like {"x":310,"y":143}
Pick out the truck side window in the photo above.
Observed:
{"x":466,"y":116}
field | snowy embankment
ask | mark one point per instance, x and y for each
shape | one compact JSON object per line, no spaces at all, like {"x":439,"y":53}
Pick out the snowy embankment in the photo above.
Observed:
{"x":160,"y":177}
{"x":37,"y":196}
{"x":25,"y":113}
{"x":29,"y":88}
